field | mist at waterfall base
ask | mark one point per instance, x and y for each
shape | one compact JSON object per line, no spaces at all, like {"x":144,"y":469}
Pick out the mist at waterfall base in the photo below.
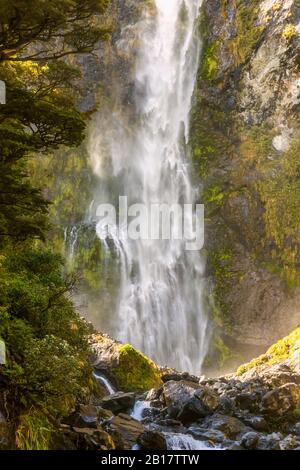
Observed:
{"x":159,"y":308}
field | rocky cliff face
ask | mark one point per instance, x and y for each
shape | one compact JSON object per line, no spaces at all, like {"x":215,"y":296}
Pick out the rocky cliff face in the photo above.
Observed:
{"x":245,"y":143}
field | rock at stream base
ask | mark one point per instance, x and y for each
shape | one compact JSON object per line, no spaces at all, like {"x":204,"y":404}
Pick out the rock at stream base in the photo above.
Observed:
{"x":192,"y":410}
{"x":250,"y":440}
{"x":127,"y":368}
{"x":281,"y":399}
{"x":151,"y":440}
{"x":75,"y":438}
{"x":84,"y":417}
{"x":269,"y":442}
{"x":177,"y":394}
{"x":230,"y":426}
{"x":188,"y":401}
{"x":125,"y":431}
{"x":119,"y":402}
{"x":256,"y":422}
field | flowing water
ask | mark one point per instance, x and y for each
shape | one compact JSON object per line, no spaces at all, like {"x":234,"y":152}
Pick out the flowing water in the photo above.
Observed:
{"x":177,"y":441}
{"x":104,"y":381}
{"x":138,"y":410}
{"x":160,"y":305}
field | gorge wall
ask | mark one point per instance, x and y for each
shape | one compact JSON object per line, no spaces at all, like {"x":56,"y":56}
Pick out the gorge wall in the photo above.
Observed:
{"x":245,"y":144}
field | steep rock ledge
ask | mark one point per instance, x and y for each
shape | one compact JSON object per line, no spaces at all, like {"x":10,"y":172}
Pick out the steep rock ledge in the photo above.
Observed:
{"x":245,"y":145}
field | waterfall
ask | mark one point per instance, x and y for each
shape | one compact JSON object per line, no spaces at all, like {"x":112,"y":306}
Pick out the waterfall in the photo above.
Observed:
{"x":104,"y":381}
{"x":160,"y":307}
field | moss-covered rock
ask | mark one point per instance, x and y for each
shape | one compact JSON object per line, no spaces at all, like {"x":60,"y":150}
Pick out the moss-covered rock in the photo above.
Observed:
{"x":135,"y":371}
{"x":128,"y":368}
{"x":287,"y":348}
{"x":244,"y":142}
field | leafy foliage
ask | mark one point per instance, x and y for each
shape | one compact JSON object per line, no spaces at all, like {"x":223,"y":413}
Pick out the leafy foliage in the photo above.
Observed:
{"x":45,"y":338}
{"x":39,"y":116}
{"x":57,"y":28}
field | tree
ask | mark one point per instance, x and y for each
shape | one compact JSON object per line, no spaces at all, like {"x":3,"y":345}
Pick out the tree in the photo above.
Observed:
{"x":46,"y":340}
{"x":39,"y":116}
{"x":40,"y":30}
{"x":40,"y":111}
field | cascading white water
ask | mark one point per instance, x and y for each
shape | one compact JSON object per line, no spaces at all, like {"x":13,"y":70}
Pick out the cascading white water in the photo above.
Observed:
{"x":104,"y":381}
{"x":160,"y":309}
{"x":138,"y":410}
{"x":177,"y":441}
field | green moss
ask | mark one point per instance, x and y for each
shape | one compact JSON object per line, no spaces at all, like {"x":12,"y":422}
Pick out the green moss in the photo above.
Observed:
{"x":221,"y":262}
{"x":286,"y":348}
{"x":209,"y":64}
{"x":213,"y":195}
{"x":249,"y":32}
{"x":276,"y":189}
{"x":289,"y":32}
{"x":281,"y":198}
{"x":136,"y":372}
{"x":223,"y":351}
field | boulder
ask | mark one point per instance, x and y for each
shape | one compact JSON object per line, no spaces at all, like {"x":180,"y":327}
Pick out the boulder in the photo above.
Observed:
{"x":188,"y":401}
{"x":178,"y":393}
{"x":192,"y":411}
{"x":104,"y":415}
{"x":226,"y":405}
{"x":270,"y":376}
{"x":208,"y":397}
{"x":281,"y":399}
{"x":289,"y":443}
{"x":250,"y":440}
{"x":83,"y":439}
{"x":179,"y":376}
{"x":119,"y":402}
{"x":295,"y":429}
{"x":169,"y":423}
{"x":154,"y":394}
{"x":247,"y":401}
{"x":234,"y":446}
{"x":256,"y":422}
{"x":152,"y":440}
{"x":202,"y":434}
{"x":269,"y":442}
{"x":126,"y":367}
{"x":84,"y":417}
{"x":124,"y":431}
{"x":229,"y":425}
{"x":105,"y":352}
